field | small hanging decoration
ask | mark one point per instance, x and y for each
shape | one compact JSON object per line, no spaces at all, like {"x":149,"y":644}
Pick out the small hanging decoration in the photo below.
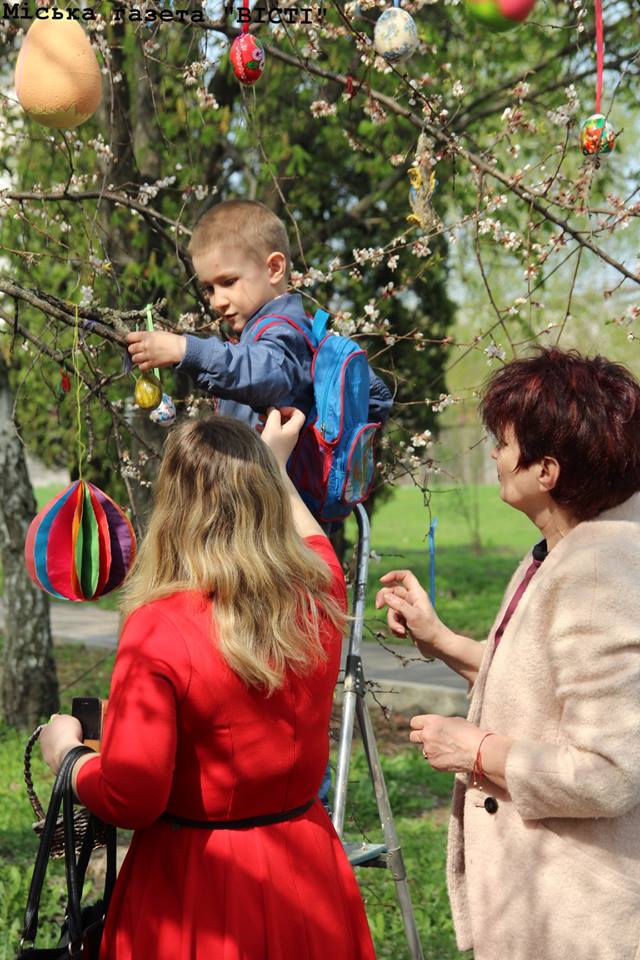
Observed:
{"x":57,"y":79}
{"x":596,"y":133}
{"x":247,"y":53}
{"x":422,"y":177}
{"x":500,"y":15}
{"x":148,"y":392}
{"x":165,"y":413}
{"x":81,"y":545}
{"x":395,"y":36}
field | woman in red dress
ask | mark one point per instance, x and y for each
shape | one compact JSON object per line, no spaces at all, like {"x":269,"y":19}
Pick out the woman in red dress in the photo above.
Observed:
{"x":218,"y":711}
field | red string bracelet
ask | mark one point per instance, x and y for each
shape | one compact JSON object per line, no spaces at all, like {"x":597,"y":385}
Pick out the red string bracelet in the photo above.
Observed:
{"x":477,"y":772}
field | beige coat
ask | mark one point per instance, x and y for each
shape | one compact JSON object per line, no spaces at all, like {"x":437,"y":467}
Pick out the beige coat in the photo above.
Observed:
{"x":554,"y":874}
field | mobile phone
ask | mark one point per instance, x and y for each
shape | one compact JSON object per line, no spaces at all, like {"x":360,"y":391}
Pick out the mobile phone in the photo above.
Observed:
{"x":90,"y":712}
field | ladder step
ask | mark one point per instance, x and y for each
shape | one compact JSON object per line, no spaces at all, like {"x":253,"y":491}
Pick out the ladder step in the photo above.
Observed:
{"x":366,"y":854}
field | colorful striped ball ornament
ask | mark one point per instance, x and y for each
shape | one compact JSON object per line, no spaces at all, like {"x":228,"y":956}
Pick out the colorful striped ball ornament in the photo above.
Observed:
{"x":81,"y":545}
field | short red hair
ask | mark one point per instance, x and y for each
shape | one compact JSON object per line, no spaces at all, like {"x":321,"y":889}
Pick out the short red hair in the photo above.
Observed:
{"x":584,"y":412}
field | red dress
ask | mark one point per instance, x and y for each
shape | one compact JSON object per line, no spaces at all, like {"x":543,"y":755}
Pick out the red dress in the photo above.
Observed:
{"x":184,"y":733}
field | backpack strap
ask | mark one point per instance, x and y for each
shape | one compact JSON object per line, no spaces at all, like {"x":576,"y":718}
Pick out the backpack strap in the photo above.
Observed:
{"x":319,"y":325}
{"x":276,"y":318}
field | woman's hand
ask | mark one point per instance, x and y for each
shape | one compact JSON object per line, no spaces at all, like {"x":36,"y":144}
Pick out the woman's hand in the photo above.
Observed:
{"x":58,"y":737}
{"x":281,"y":431}
{"x":448,"y":743}
{"x":410,"y":611}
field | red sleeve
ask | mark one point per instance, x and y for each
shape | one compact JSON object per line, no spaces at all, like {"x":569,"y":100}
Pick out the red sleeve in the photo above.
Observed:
{"x":324,"y":548}
{"x":129,"y":783}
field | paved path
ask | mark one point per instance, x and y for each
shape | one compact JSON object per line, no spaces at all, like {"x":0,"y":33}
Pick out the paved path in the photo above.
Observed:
{"x":402,"y":679}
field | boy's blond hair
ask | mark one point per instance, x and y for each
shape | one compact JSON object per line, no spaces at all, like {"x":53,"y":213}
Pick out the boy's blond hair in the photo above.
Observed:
{"x":247,"y":224}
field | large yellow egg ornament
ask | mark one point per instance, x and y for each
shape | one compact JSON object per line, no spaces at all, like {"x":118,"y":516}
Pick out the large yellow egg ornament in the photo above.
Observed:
{"x":58,"y":79}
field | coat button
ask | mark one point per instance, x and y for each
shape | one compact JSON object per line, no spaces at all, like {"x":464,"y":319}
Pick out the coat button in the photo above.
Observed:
{"x":491,"y":805}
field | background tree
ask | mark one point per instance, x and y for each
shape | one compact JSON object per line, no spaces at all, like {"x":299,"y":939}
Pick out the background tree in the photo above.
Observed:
{"x":29,"y":687}
{"x":95,"y":221}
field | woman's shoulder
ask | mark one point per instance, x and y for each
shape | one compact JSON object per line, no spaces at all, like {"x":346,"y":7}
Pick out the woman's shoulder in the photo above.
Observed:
{"x":170,"y":612}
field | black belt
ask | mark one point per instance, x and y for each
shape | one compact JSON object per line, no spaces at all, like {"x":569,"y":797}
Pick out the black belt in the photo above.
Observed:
{"x":261,"y":821}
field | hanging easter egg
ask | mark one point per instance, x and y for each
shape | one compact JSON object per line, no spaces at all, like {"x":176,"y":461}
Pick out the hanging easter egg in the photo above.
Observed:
{"x":58,"y":80}
{"x":148,"y":392}
{"x":500,"y":15}
{"x":247,"y":58}
{"x":165,"y":413}
{"x":81,"y":545}
{"x":597,"y":136}
{"x":395,"y":36}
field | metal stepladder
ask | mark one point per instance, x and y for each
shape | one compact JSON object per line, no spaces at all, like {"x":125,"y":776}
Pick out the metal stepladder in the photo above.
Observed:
{"x":354,"y":706}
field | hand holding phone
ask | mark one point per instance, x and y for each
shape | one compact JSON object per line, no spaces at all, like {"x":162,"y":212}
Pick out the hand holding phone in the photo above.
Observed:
{"x":90,"y":712}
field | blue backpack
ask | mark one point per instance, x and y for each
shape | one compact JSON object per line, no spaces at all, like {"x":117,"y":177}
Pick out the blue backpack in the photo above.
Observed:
{"x":333,"y":464}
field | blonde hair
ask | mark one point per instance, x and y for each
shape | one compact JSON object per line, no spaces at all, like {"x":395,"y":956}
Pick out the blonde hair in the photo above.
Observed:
{"x":222,"y":523}
{"x":247,"y":224}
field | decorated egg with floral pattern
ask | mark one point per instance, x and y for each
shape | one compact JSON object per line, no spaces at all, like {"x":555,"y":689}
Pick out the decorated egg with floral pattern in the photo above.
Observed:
{"x":597,"y":135}
{"x":395,"y":36}
{"x":247,"y":58}
{"x":165,"y":413}
{"x":500,"y":15}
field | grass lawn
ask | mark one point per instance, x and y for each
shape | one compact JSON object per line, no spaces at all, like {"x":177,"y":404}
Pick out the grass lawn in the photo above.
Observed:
{"x":419,"y":797}
{"x":469,"y":581}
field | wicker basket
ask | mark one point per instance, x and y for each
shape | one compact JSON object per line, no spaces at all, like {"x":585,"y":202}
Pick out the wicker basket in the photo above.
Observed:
{"x":80,"y":815}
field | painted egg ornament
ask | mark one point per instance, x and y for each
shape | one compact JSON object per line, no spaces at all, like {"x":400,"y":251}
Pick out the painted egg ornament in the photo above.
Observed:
{"x":597,"y":136}
{"x":395,"y":36}
{"x":165,"y":413}
{"x":500,"y":15}
{"x":247,"y":58}
{"x":58,"y":80}
{"x":148,"y":392}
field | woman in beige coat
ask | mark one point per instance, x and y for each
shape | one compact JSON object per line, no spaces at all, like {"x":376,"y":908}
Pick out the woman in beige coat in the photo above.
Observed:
{"x":544,"y":841}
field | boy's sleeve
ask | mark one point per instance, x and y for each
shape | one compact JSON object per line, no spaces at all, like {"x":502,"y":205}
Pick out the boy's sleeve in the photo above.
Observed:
{"x":380,"y":399}
{"x":258,"y":374}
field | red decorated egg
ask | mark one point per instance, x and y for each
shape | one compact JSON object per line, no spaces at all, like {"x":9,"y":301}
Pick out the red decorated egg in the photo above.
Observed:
{"x":500,"y":15}
{"x":247,"y":58}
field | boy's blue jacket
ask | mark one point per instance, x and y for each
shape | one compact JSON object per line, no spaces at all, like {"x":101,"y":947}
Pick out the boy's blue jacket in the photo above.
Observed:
{"x":248,"y":377}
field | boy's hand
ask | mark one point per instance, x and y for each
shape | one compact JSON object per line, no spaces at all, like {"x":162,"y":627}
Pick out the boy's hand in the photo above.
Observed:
{"x":155,"y":349}
{"x":281,"y":431}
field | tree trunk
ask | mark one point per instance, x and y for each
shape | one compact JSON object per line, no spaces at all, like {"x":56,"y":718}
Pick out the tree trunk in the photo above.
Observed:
{"x":29,"y":685}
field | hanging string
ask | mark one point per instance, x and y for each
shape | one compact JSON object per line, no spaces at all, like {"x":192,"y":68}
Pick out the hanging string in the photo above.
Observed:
{"x":432,"y":561}
{"x":74,"y":356}
{"x":245,"y":23}
{"x":599,"y":53}
{"x":156,"y":372}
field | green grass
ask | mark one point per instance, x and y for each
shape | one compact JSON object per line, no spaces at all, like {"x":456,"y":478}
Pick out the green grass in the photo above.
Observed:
{"x":470,"y":577}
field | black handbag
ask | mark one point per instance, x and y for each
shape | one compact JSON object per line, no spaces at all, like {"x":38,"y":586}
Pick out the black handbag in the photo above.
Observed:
{"x":81,"y":930}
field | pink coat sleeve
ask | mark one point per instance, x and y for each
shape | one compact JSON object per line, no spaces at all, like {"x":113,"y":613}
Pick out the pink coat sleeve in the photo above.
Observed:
{"x":128,"y":784}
